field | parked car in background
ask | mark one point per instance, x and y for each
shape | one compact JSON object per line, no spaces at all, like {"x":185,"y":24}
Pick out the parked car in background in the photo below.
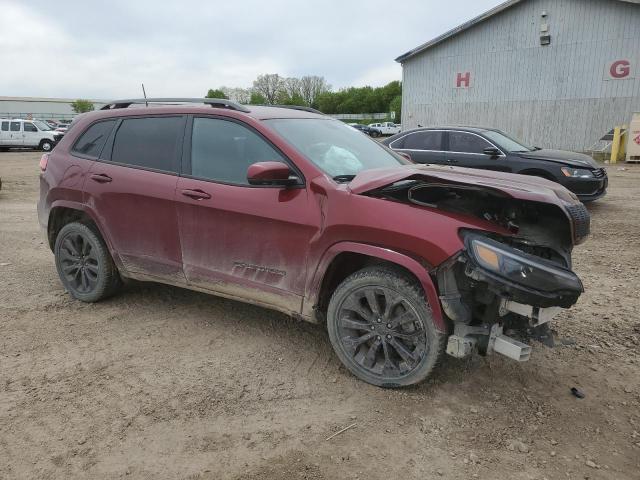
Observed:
{"x":298,"y":212}
{"x":492,"y":149}
{"x":372,"y":132}
{"x":19,"y":133}
{"x":386,"y":128}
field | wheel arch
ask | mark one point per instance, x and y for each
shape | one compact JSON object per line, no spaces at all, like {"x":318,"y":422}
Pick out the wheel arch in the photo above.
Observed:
{"x":48,"y":140}
{"x":62,"y":213}
{"x":343,"y":259}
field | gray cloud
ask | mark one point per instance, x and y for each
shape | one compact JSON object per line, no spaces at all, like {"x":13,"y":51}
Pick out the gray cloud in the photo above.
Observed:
{"x":105,"y":49}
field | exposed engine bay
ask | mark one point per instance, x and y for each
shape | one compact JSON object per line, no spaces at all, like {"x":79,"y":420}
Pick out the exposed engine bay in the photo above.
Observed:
{"x":512,"y":282}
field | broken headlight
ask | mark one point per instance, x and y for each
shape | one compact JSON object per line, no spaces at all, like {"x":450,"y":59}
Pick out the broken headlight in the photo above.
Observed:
{"x":518,"y":267}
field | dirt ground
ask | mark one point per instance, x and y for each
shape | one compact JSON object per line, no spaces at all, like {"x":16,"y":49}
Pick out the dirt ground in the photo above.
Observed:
{"x":160,"y":382}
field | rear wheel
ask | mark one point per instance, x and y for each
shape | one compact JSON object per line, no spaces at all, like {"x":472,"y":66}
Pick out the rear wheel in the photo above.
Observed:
{"x":84,"y":264}
{"x":381,"y":327}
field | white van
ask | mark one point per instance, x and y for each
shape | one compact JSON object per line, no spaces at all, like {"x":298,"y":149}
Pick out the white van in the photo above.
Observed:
{"x":27,"y":134}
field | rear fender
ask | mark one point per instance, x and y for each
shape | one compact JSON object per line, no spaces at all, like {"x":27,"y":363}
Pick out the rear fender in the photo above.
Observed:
{"x":94,"y":218}
{"x":411,"y":264}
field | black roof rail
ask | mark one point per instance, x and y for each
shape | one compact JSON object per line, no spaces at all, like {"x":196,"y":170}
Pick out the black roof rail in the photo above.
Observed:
{"x":293,"y":107}
{"x":214,"y":102}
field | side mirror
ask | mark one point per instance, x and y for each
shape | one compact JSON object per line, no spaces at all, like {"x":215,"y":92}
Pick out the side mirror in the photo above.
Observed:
{"x":492,"y":152}
{"x":405,"y":155}
{"x":271,"y":173}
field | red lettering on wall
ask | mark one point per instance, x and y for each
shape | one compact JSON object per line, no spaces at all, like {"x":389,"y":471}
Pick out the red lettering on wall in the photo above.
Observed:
{"x":620,"y":69}
{"x":466,"y":79}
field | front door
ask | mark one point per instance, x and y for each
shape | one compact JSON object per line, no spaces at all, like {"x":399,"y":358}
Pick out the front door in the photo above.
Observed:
{"x":239,"y":240}
{"x":466,"y":149}
{"x":132,"y":188}
{"x":31,"y":135}
{"x":424,"y":146}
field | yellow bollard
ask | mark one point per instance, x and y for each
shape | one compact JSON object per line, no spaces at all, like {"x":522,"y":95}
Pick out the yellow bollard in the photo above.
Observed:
{"x":615,"y":145}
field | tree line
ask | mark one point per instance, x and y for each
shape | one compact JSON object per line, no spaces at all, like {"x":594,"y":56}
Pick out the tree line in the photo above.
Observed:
{"x":309,"y":91}
{"x":314,"y":91}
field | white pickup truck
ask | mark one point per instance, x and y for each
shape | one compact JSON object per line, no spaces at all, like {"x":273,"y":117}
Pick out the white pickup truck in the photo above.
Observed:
{"x":387,"y":128}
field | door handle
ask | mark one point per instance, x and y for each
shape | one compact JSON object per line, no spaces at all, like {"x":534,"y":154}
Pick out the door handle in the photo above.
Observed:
{"x":101,"y":178}
{"x":196,"y":194}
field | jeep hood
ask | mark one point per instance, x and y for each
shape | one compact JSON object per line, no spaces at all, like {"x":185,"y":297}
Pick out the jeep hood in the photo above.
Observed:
{"x":573,"y":159}
{"x":523,"y":187}
{"x":540,"y":210}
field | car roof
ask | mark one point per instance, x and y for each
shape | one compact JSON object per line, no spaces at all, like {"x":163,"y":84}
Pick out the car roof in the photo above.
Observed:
{"x":461,"y":128}
{"x":208,"y":106}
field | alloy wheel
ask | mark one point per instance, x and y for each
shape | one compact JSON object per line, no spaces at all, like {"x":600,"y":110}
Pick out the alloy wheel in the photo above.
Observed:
{"x":79,"y":263}
{"x":381,"y":331}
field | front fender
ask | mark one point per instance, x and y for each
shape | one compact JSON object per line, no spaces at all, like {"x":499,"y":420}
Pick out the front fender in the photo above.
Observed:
{"x":391,"y":256}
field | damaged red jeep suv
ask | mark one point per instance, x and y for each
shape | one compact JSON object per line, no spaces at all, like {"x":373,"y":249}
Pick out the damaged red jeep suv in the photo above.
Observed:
{"x":295,"y":211}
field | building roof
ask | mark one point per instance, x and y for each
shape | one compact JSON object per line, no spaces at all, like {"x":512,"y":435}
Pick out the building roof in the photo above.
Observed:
{"x":42,"y":99}
{"x":465,"y":26}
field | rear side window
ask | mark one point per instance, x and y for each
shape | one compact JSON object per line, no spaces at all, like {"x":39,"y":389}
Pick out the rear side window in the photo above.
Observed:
{"x":423,"y":141}
{"x":466,"y":143}
{"x":148,"y":142}
{"x":30,"y":127}
{"x":5,"y":126}
{"x":15,"y":126}
{"x":222,"y":150}
{"x":92,"y":140}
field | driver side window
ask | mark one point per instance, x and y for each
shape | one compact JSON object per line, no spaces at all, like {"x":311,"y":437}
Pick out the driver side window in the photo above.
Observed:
{"x":30,"y":127}
{"x":223,"y":150}
{"x":463,"y":142}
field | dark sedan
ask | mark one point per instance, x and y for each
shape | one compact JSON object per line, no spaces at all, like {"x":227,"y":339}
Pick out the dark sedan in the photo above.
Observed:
{"x":372,"y":132}
{"x":492,"y":149}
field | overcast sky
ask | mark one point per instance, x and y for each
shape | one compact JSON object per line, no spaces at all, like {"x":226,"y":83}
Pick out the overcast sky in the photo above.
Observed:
{"x":105,"y":49}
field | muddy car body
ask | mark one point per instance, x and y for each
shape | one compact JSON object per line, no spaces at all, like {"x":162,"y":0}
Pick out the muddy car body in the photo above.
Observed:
{"x":302,"y":214}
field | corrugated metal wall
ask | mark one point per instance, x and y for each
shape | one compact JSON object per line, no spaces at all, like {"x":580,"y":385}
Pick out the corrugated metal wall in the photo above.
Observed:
{"x":40,"y":108}
{"x":559,"y":95}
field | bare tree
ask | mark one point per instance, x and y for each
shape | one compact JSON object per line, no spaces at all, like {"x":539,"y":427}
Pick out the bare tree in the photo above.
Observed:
{"x":269,"y":86}
{"x":240,"y":95}
{"x":311,"y":86}
{"x":291,"y":87}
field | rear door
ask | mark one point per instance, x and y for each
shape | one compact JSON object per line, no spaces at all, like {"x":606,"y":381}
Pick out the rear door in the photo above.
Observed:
{"x":4,"y":132}
{"x":15,"y":134}
{"x":132,"y":188}
{"x":249,"y":242}
{"x":30,"y":135}
{"x":425,"y":146}
{"x":466,"y":149}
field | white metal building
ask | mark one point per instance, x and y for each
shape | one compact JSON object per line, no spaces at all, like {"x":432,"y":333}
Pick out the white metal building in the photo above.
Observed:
{"x":554,"y":73}
{"x":40,"y":108}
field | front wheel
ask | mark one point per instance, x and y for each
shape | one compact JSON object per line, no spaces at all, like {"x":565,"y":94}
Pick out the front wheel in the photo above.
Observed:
{"x":84,"y":264}
{"x":46,"y":145}
{"x":381,"y":327}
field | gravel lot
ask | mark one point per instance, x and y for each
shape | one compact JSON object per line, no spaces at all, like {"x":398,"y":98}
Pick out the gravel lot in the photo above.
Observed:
{"x":160,"y":382}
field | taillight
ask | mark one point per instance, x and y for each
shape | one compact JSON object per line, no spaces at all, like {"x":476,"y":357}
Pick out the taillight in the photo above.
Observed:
{"x":44,"y":160}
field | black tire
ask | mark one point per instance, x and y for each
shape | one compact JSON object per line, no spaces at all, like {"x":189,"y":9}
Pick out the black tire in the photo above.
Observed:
{"x":4,"y":149}
{"x":46,"y":145}
{"x":405,"y":342}
{"x":84,"y":264}
{"x":375,"y":134}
